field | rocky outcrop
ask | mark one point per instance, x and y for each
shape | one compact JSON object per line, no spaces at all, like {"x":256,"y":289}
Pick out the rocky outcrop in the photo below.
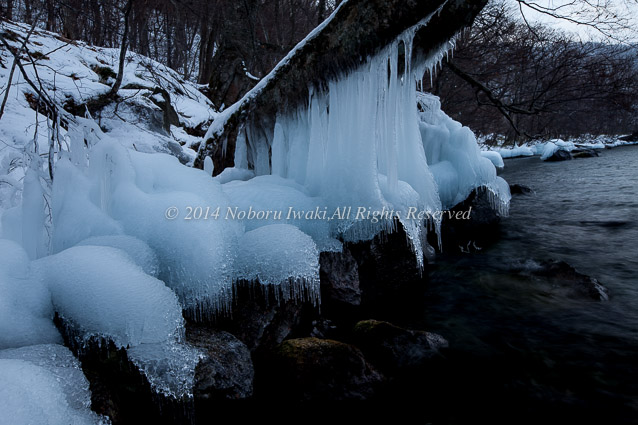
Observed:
{"x":563,"y":277}
{"x":322,"y":369}
{"x":339,"y":275}
{"x":391,"y":347}
{"x":559,"y":155}
{"x":520,"y":189}
{"x":261,"y":320}
{"x":119,"y":389}
{"x":584,"y":153}
{"x":465,"y":235}
{"x":226,"y":372}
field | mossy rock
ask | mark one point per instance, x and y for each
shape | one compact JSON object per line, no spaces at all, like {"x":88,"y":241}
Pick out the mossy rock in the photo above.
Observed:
{"x":323,"y":369}
{"x":104,"y":72}
{"x":392,"y":347}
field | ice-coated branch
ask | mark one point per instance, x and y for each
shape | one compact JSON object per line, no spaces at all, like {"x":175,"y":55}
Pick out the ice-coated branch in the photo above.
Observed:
{"x":357,"y":30}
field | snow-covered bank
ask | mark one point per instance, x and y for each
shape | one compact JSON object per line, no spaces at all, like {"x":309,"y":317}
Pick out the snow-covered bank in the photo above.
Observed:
{"x":546,"y":148}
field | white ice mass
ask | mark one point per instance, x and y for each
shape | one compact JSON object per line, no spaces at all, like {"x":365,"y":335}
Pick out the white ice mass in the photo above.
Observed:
{"x":118,"y":246}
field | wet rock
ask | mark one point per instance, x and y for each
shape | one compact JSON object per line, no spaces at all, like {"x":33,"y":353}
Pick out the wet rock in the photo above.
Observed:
{"x":391,"y":282}
{"x":563,"y":276}
{"x":520,"y":189}
{"x":323,"y":369}
{"x":339,"y":275}
{"x":391,"y":347}
{"x":226,"y":373}
{"x":262,"y":321}
{"x":560,"y":155}
{"x":324,"y":328}
{"x":119,"y":389}
{"x":473,"y":233}
{"x":585,"y":153}
{"x":633,"y":137}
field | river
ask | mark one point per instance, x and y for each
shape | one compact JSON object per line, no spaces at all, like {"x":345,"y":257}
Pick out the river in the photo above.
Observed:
{"x":522,"y":351}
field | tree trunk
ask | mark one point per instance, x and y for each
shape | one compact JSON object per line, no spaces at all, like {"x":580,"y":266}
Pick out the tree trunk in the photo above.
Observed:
{"x":9,"y":10}
{"x":120,"y":71}
{"x":359,"y":28}
{"x":50,"y":5}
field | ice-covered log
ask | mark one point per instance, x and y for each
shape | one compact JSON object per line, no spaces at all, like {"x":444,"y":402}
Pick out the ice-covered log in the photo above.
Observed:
{"x":357,"y":30}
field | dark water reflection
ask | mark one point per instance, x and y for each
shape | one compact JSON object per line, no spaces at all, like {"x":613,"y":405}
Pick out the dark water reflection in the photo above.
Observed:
{"x":523,"y":351}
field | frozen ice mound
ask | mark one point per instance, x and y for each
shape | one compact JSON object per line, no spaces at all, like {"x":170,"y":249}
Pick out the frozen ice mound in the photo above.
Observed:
{"x":495,"y":157}
{"x":104,"y":293}
{"x":455,"y":158}
{"x":43,"y":384}
{"x":280,"y":254}
{"x":26,"y":312}
{"x":139,"y":251}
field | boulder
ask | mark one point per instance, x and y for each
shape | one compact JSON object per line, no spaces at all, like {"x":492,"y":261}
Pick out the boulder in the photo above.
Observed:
{"x":560,"y":155}
{"x":391,"y":347}
{"x":262,"y":320}
{"x":520,"y":189}
{"x":322,"y":369}
{"x":464,"y":235}
{"x":584,"y":153}
{"x":226,"y":372}
{"x":562,"y":276}
{"x":339,"y":275}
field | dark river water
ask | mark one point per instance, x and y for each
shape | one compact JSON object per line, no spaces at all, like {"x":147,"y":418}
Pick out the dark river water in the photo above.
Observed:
{"x":522,"y":351}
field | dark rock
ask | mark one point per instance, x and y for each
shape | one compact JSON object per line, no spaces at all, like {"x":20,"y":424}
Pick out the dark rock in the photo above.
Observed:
{"x":585,"y":153}
{"x":520,"y":189}
{"x":560,"y":155}
{"x":323,"y":369}
{"x":339,"y":274}
{"x":391,"y":282}
{"x":169,"y":115}
{"x":119,"y":389}
{"x":391,"y":347}
{"x":261,"y":320}
{"x":324,"y":328}
{"x":633,"y":137}
{"x":227,"y":370}
{"x":565,"y":277}
{"x":465,"y":235}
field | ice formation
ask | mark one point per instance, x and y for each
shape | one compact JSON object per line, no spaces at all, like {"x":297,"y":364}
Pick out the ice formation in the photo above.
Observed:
{"x":43,"y":384}
{"x":136,"y":238}
{"x":361,"y":142}
{"x":104,"y":293}
{"x":25,"y":304}
{"x":280,"y":254}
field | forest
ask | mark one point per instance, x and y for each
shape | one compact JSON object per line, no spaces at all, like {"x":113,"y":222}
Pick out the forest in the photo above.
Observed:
{"x":507,"y":78}
{"x":426,"y":208}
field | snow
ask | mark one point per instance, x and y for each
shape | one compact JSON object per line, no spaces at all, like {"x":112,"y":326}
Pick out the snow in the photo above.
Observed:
{"x":548,"y":150}
{"x":103,"y":292}
{"x":495,"y":157}
{"x":537,"y":147}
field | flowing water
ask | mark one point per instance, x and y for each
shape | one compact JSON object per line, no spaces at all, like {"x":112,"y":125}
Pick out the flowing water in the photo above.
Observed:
{"x":522,"y":350}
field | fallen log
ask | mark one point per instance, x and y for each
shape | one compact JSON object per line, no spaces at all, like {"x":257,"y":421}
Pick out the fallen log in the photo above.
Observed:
{"x":357,"y":30}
